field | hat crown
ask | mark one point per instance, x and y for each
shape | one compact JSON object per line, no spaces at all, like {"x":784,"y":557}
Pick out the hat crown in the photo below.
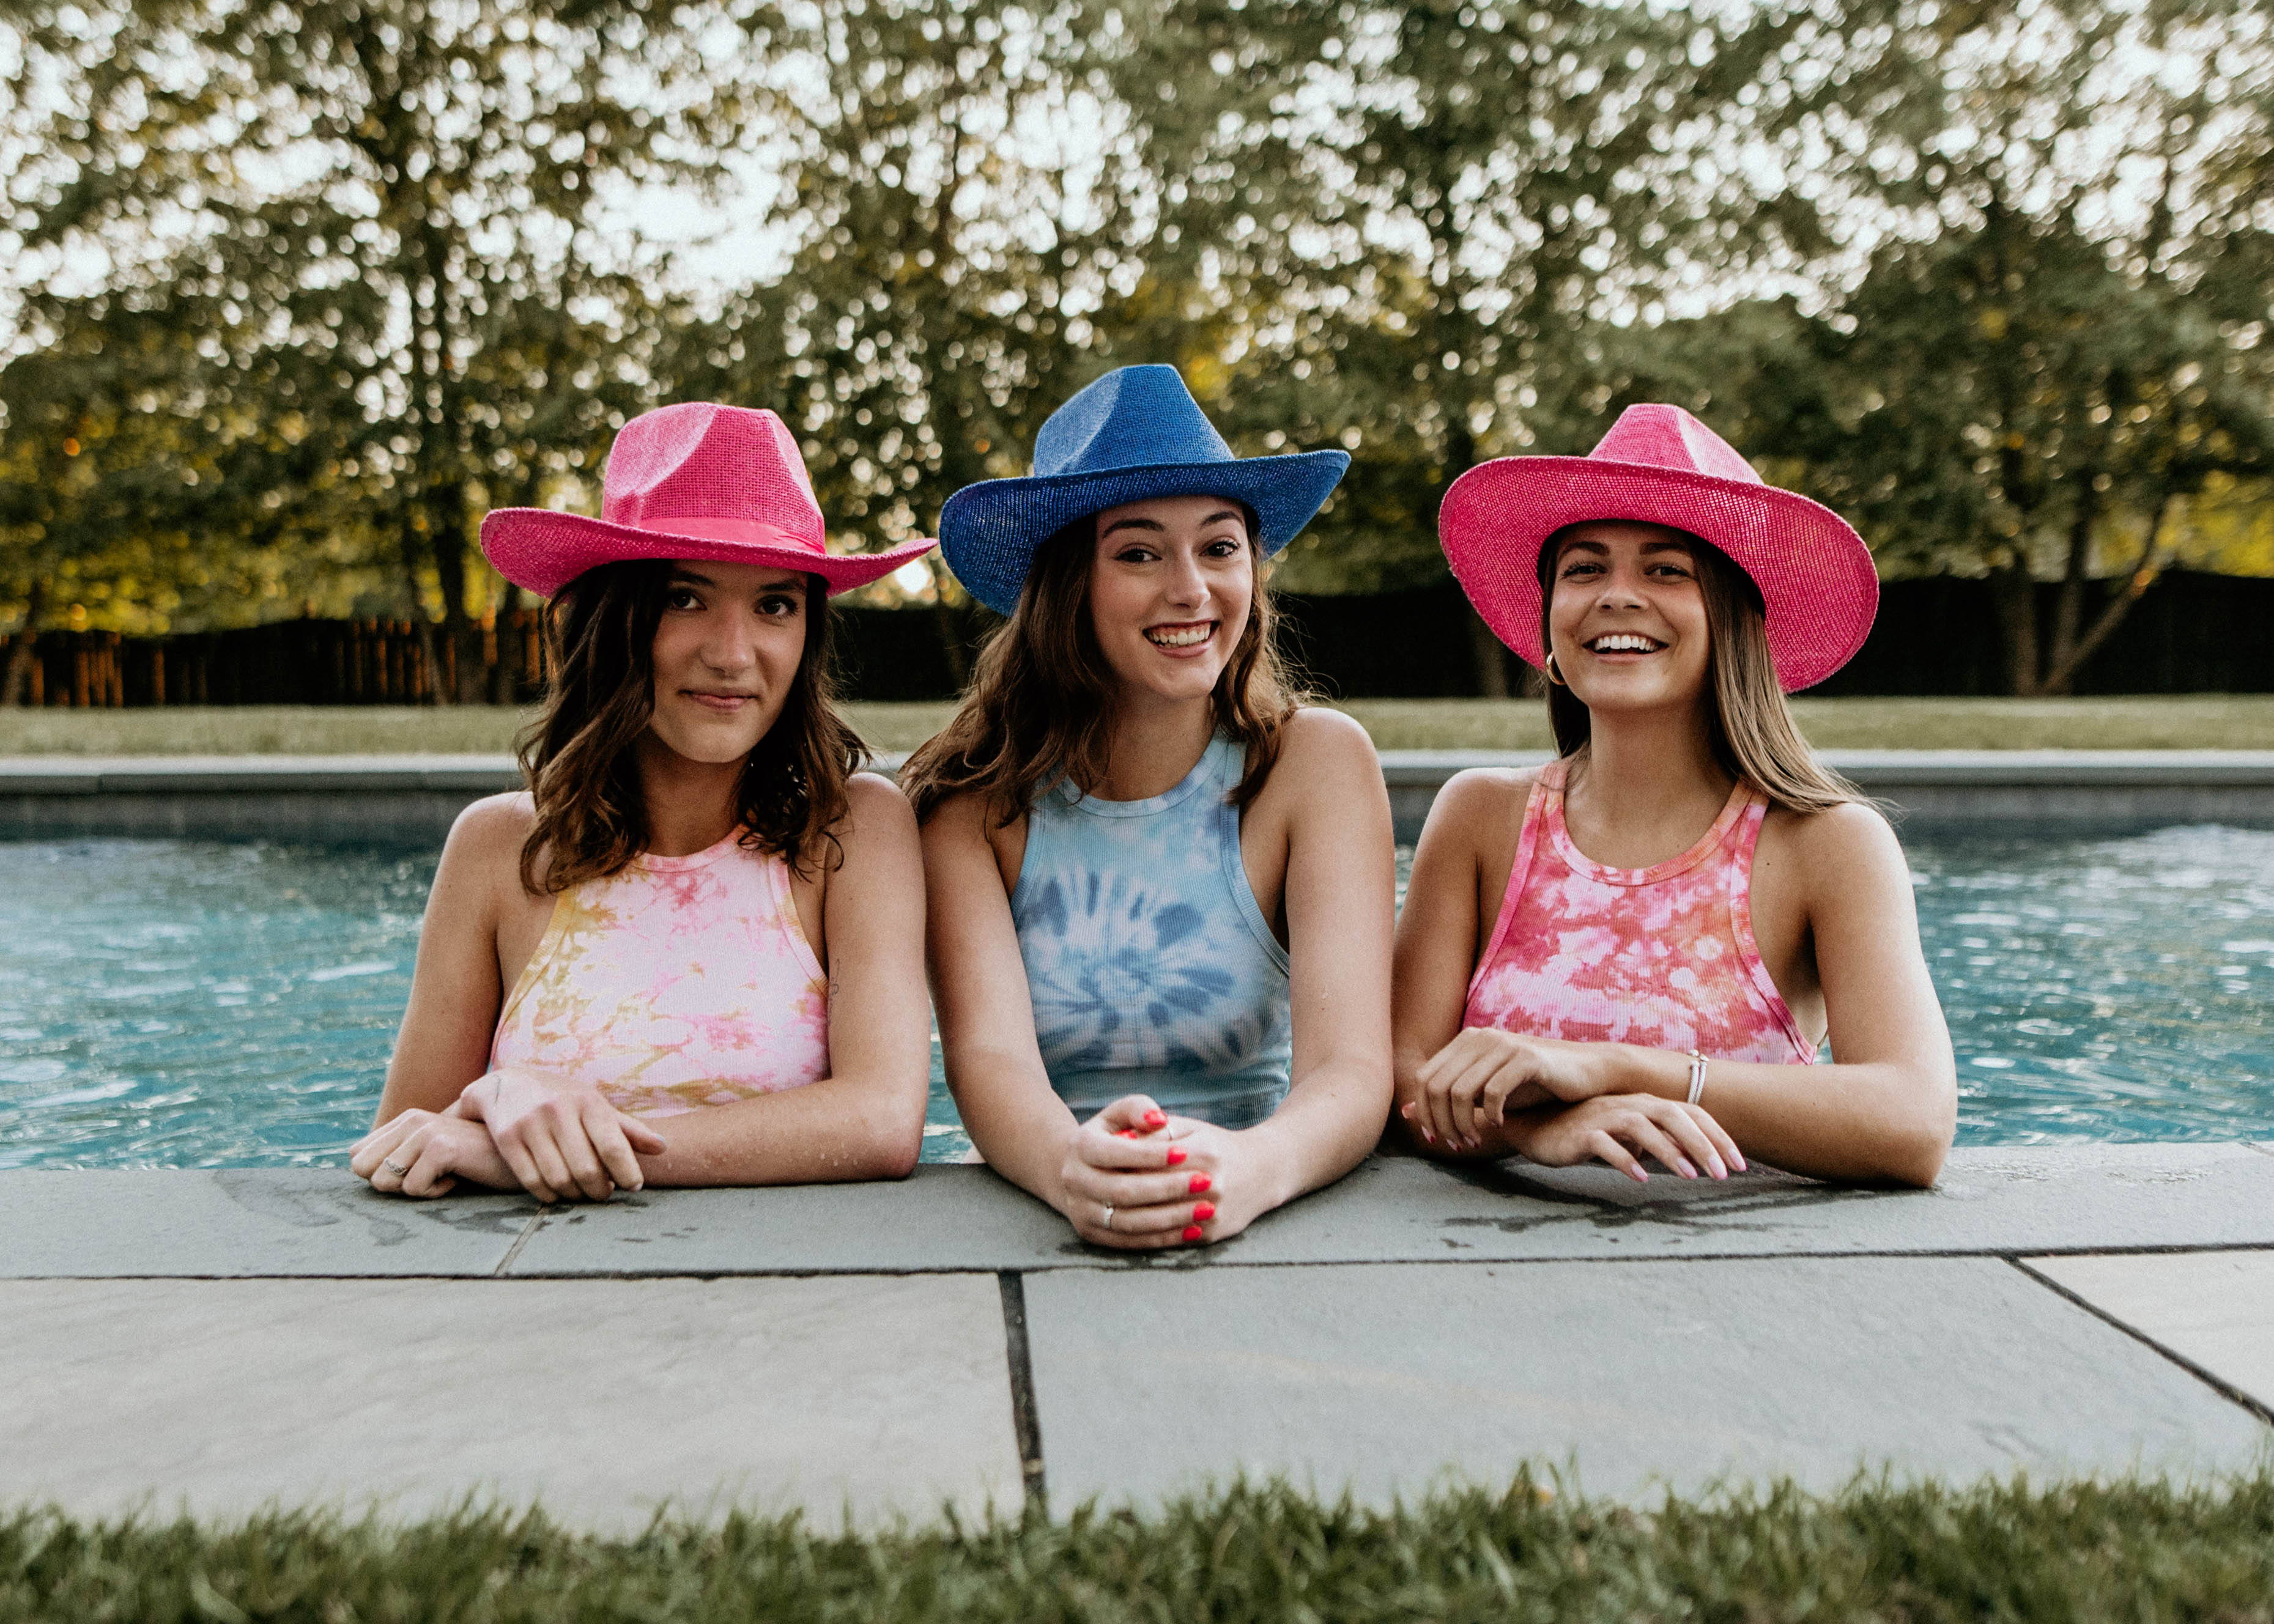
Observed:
{"x":1668,"y":437}
{"x":1134,"y":417}
{"x":703,"y":461}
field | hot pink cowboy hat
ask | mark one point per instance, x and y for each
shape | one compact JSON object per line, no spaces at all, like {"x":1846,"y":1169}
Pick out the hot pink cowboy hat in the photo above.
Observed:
{"x":695,"y":481}
{"x":1660,"y":465}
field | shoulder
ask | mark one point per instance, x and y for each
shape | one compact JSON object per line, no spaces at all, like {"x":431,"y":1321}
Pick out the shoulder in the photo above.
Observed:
{"x":493,"y":827}
{"x":1483,"y":792}
{"x":1845,"y":842}
{"x":1318,"y":743}
{"x":874,"y":812}
{"x":962,"y":817}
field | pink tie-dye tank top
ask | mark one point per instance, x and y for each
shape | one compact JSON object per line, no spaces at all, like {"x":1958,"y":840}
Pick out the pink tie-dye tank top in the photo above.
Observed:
{"x":677,"y":983}
{"x":1662,"y":957}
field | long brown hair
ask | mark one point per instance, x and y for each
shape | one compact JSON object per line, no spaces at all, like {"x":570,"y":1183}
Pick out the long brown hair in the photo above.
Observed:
{"x":1753,"y":735}
{"x":1039,"y":709}
{"x":578,"y":758}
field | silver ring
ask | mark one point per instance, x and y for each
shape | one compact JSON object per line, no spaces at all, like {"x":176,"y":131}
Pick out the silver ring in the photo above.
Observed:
{"x":1108,"y":1214}
{"x":399,"y":1171}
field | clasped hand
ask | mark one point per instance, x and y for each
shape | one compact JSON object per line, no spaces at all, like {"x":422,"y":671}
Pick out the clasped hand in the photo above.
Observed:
{"x":1551,"y":1100}
{"x":555,"y":1138}
{"x":1138,"y":1179}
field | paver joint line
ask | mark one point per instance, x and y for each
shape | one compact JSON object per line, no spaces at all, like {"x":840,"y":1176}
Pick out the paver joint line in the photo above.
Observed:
{"x":536,"y":1222}
{"x":2225,"y":1389}
{"x":1025,"y":1420}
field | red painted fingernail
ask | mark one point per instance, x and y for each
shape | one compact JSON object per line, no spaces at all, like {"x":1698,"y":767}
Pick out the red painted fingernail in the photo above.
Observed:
{"x":1202,"y":1211}
{"x":1200,"y":1181}
{"x":1157,"y":1119}
{"x":1176,"y":1154}
{"x":1192,"y":1232}
{"x":1126,"y":1133}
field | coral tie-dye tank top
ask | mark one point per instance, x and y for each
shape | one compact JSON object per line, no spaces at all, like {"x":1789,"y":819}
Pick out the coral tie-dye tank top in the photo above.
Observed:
{"x":676,"y":983}
{"x":1662,"y":957}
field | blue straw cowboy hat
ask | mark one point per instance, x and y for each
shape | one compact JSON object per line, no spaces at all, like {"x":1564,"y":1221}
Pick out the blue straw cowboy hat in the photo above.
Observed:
{"x":1134,"y":434}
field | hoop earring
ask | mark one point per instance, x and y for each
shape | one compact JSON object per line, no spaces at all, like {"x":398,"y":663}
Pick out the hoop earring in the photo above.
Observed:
{"x":1554,"y":675}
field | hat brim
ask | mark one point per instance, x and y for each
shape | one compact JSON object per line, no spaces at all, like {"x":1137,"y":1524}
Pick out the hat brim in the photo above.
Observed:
{"x":544,"y":550}
{"x":1818,"y":584}
{"x":988,"y":531}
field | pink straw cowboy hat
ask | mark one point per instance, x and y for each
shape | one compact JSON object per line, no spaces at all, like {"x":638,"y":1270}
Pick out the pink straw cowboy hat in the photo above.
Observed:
{"x":1660,"y":465}
{"x":694,"y":481}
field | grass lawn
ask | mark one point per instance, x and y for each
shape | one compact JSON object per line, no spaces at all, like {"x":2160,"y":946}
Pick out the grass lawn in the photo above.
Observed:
{"x":2198,"y":721}
{"x":2072,"y":1552}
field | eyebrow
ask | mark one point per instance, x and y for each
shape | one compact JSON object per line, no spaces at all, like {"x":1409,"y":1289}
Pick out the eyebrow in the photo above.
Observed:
{"x":1135,"y":523}
{"x":787,"y":581}
{"x":1601,"y":550}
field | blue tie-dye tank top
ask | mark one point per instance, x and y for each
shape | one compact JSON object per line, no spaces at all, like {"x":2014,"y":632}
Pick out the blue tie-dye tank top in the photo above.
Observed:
{"x":1151,"y":967}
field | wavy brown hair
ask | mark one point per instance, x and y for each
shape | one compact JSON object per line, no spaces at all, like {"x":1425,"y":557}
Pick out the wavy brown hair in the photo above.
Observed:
{"x":578,"y":756}
{"x":1753,"y":735}
{"x":1039,"y":709}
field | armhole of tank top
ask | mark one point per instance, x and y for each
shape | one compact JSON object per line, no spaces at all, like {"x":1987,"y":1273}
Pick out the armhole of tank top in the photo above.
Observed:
{"x":1737,"y":883}
{"x":1243,"y":894}
{"x":556,"y":928}
{"x":1527,"y":842}
{"x":785,"y":919}
{"x":1026,"y":858}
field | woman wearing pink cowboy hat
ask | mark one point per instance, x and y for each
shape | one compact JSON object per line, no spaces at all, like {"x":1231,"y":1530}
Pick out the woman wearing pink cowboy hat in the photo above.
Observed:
{"x":691,"y":953}
{"x":1161,"y":889}
{"x":1636,"y":950}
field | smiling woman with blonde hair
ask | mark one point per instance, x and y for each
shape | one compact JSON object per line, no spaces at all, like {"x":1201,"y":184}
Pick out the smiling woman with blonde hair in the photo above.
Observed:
{"x":691,"y":952}
{"x":1161,"y":889}
{"x":1635,"y":951}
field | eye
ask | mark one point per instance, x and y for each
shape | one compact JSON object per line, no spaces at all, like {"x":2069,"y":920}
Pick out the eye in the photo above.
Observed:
{"x":1679,"y":571}
{"x":682,"y":598}
{"x":1580,"y":566}
{"x":1224,"y":546}
{"x":779,"y":605}
{"x":1136,"y":552}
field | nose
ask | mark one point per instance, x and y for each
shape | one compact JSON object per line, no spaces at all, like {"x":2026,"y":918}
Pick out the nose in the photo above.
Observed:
{"x":730,"y":646}
{"x":1622,"y":587}
{"x":1187,"y":585}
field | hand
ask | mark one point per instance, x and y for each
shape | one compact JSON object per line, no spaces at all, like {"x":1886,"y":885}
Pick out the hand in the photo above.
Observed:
{"x":424,"y":1155}
{"x":1138,"y":1179}
{"x":1470,"y":1085}
{"x":561,"y":1138}
{"x":1620,"y":1128}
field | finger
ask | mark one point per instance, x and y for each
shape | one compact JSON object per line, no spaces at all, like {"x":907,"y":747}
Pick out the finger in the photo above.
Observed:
{"x":1161,"y":1218}
{"x":555,"y":1145}
{"x":1605,"y":1148}
{"x":643,"y":1138}
{"x":430,"y":1174}
{"x":1455,"y":1054}
{"x":1461,"y":1091}
{"x":379,"y":1145}
{"x":1683,"y":1129}
{"x":1720,"y":1135}
{"x":523,"y":1165}
{"x":1645,"y":1136}
{"x":1099,"y":1149}
{"x":612,"y":1144}
{"x":583,"y":1158}
{"x":1132,"y":1113}
{"x":1125,"y":1240}
{"x":1132,"y":1191}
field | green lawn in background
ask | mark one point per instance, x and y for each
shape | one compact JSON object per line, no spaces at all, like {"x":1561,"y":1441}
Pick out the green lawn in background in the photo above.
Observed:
{"x":2077,"y":1552}
{"x":2192,"y":721}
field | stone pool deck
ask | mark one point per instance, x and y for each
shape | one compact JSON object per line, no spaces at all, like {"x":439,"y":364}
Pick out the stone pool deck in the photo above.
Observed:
{"x":224,"y":1340}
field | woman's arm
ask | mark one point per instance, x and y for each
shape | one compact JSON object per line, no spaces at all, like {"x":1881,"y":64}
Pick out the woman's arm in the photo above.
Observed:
{"x":1884,"y":1110}
{"x":1438,"y":932}
{"x":865,"y":1120}
{"x":985,"y":1010}
{"x":1340,"y":904}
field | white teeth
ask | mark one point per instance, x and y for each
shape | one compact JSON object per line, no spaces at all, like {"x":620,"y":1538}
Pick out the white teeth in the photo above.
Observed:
{"x":1623,"y":643}
{"x":1181,"y":637}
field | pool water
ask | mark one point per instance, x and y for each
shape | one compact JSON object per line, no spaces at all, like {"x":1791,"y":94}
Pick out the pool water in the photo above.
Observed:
{"x":186,"y":1003}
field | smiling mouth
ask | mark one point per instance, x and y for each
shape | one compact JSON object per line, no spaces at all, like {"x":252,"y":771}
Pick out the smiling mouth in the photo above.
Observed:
{"x":1623,"y":643}
{"x":1188,"y":634}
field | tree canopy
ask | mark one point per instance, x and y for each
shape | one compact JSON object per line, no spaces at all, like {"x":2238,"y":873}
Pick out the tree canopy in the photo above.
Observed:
{"x":302,"y":294}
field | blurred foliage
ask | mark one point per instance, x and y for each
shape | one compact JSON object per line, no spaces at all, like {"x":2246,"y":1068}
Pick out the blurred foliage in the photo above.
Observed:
{"x":302,"y":294}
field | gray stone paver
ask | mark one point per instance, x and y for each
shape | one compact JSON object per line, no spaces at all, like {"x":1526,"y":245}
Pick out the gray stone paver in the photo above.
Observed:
{"x":2215,"y":1309}
{"x":603,"y":1399}
{"x":1386,"y":1380}
{"x":244,"y":1221}
{"x":952,"y":1218}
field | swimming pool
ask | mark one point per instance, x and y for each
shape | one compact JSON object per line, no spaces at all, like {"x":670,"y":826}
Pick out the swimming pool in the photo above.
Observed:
{"x":189,"y":1003}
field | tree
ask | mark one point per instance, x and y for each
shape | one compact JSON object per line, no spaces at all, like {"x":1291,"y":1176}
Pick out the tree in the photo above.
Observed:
{"x":390,"y":206}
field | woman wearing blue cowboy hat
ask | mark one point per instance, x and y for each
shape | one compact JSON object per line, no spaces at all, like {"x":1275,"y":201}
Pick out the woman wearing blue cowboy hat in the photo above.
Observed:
{"x":1160,"y":890}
